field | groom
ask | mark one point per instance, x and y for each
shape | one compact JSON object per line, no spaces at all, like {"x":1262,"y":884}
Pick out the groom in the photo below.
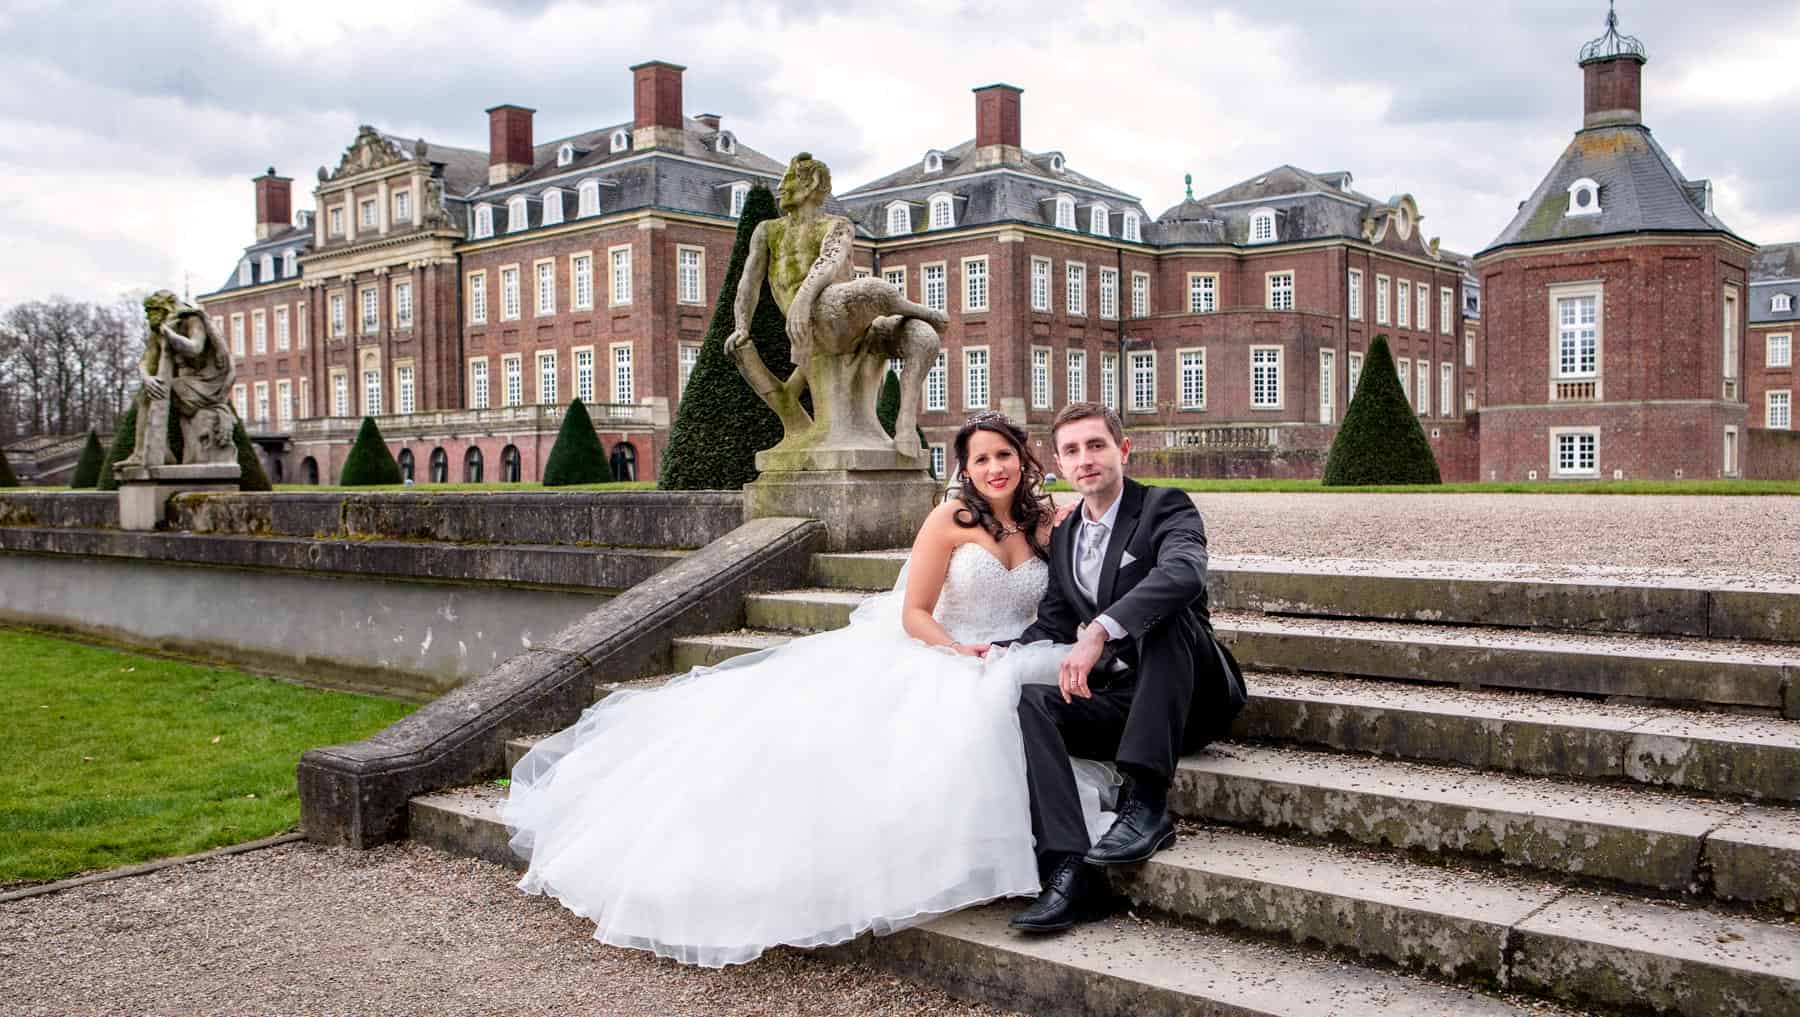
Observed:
{"x":1144,"y":681}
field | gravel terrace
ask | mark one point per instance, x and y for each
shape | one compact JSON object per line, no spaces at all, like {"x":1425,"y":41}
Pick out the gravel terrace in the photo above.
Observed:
{"x":299,"y":929}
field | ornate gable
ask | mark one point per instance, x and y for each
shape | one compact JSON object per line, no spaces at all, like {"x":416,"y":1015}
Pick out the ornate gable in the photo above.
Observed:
{"x":1395,"y":226}
{"x":369,"y":151}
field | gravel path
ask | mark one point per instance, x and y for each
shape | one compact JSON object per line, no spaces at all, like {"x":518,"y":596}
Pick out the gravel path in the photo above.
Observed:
{"x":400,"y":930}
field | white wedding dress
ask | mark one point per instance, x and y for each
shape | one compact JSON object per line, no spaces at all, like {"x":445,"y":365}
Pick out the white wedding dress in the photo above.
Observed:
{"x":848,"y":781}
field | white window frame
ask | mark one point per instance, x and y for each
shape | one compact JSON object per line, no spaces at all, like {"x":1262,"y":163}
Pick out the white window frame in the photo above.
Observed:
{"x":583,"y":358}
{"x":240,"y":400}
{"x":259,"y":331}
{"x":268,"y":267}
{"x":621,"y":140}
{"x":1781,"y":303}
{"x":587,"y":199}
{"x":1109,"y":379}
{"x":372,"y":391}
{"x":975,"y":283}
{"x":1075,"y":376}
{"x":244,"y":272}
{"x":977,"y":378}
{"x":740,"y":193}
{"x":565,"y":154}
{"x":1040,"y":378}
{"x":624,"y":373}
{"x":1354,"y":294}
{"x":1099,"y":221}
{"x":334,"y":220}
{"x":290,"y":263}
{"x":1075,"y":288}
{"x":1468,"y":347}
{"x":934,"y":285}
{"x":547,"y":372}
{"x":1403,"y":368}
{"x":553,"y":206}
{"x":1403,"y":303}
{"x":1577,"y":291}
{"x":1140,"y":294}
{"x":1257,"y":361}
{"x":340,"y":392}
{"x":402,"y":206}
{"x":1785,"y":348}
{"x":1733,"y":465}
{"x":1140,"y":365}
{"x":1262,"y":226}
{"x":1383,"y":294}
{"x":1575,"y":208}
{"x":1784,"y":399}
{"x":339,"y":312}
{"x":1446,"y":389}
{"x":478,"y":297}
{"x":895,"y":277}
{"x":1130,"y":229}
{"x":1279,"y":297}
{"x":1065,"y":212}
{"x":511,"y":300}
{"x":238,"y":337}
{"x":1203,"y":292}
{"x":1423,"y":367}
{"x":1576,"y":471}
{"x":480,"y":394}
{"x":543,"y":287}
{"x":284,"y":332}
{"x":262,"y":406}
{"x":368,"y":214}
{"x":401,"y":297}
{"x":284,"y":401}
{"x":518,"y":214}
{"x":937,"y":383}
{"x":1109,"y":293}
{"x":1353,"y":362}
{"x":942,"y":212}
{"x":406,"y":390}
{"x":484,"y":221}
{"x":581,"y":280}
{"x":687,"y":355}
{"x":1446,"y":310}
{"x":899,"y":219}
{"x":690,"y":274}
{"x":1422,"y":294}
{"x":940,"y":456}
{"x":512,"y":380}
{"x":1040,"y":284}
{"x":368,"y":310}
{"x":1728,"y":341}
{"x":1327,"y":385}
{"x":1190,"y":377}
{"x":618,"y":262}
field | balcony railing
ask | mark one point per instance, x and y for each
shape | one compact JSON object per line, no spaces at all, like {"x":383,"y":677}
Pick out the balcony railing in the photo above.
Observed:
{"x":544,"y":417}
{"x":1575,"y":391}
{"x":1227,"y":436}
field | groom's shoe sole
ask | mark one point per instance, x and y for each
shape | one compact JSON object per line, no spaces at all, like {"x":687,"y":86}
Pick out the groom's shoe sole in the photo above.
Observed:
{"x":1162,"y":842}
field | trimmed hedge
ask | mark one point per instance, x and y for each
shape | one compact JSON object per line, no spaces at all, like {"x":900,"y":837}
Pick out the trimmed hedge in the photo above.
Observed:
{"x":1380,"y":441}
{"x":251,"y":478}
{"x":722,"y":423}
{"x":577,"y":457}
{"x":87,"y":470}
{"x":369,"y":461}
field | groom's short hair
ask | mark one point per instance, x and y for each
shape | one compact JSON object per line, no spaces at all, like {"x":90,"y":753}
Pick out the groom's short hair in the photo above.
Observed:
{"x":1087,"y":411}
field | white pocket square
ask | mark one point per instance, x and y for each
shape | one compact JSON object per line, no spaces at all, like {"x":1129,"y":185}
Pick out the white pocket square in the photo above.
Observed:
{"x":1127,"y":559}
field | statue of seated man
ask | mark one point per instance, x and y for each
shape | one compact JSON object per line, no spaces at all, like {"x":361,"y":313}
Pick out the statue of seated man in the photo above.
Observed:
{"x":842,"y":331}
{"x":185,"y":368}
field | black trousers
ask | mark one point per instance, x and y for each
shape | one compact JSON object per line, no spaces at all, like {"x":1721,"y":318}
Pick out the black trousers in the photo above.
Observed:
{"x":1138,"y":718}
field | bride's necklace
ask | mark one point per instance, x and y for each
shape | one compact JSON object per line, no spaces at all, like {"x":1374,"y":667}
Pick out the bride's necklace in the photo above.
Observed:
{"x":1007,"y":531}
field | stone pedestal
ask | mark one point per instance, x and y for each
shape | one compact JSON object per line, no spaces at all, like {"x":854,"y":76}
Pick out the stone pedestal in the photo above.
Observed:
{"x":144,"y":491}
{"x":868,"y":499}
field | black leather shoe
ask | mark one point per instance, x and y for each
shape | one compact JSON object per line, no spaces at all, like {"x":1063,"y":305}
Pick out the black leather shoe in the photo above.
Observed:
{"x":1069,"y":896}
{"x":1139,"y":832}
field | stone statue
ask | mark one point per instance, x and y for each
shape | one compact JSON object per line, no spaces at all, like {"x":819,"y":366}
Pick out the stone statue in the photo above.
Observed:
{"x":842,"y":331}
{"x":185,"y":367}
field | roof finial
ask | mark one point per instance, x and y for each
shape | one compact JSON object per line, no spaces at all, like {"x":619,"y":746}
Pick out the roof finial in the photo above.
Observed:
{"x":1190,"y":185}
{"x":1612,"y":44}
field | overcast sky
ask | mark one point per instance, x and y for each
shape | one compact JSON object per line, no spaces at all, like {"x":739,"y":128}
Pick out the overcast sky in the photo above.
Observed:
{"x":129,"y":133}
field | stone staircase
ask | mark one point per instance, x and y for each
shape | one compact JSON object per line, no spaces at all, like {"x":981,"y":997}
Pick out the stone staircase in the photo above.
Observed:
{"x":1599,"y":813}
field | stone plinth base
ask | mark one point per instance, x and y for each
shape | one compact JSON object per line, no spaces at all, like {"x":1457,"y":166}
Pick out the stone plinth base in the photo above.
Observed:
{"x":144,"y":491}
{"x":863,"y":510}
{"x":781,"y":460}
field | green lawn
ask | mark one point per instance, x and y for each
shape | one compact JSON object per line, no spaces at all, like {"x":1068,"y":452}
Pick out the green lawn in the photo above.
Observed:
{"x":114,"y":758}
{"x":1758,"y":487}
{"x":627,"y":485}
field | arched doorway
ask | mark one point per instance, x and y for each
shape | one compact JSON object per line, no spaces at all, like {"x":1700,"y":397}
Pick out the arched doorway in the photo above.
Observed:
{"x":309,"y":470}
{"x":472,"y":466}
{"x":509,"y":464}
{"x":276,"y":472}
{"x":440,"y":466}
{"x":623,"y":461}
{"x":406,"y":464}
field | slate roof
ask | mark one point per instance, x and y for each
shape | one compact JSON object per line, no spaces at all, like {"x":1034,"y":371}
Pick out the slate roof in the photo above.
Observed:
{"x":296,"y":238}
{"x":1640,"y":191}
{"x":1774,"y":271}
{"x":1307,"y":205}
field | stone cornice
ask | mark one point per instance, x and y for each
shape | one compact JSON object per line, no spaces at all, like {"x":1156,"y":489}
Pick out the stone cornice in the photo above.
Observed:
{"x":1645,"y":238}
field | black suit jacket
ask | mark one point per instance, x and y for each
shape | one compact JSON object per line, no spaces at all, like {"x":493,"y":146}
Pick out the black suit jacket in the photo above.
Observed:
{"x":1162,"y":589}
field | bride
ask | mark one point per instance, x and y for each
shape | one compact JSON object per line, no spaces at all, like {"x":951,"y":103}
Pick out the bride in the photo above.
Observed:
{"x":868,"y":778}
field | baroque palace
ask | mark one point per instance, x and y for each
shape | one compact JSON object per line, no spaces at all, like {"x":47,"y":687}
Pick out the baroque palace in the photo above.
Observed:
{"x":463,"y":298}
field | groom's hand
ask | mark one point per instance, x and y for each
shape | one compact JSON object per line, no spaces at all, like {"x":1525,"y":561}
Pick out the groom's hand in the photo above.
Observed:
{"x":1081,"y":658}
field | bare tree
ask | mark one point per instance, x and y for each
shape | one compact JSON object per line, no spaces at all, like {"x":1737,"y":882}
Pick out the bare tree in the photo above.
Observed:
{"x":66,"y":366}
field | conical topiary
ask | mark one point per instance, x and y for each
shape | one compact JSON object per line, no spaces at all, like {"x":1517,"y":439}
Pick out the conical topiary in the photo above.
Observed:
{"x":369,"y":461}
{"x":7,"y":477}
{"x":1380,"y":441}
{"x":722,"y":423}
{"x":87,"y":469}
{"x":577,"y":457}
{"x":251,"y":476}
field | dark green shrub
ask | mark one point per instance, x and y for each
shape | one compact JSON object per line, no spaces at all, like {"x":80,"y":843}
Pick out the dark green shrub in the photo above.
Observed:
{"x":251,"y":476}
{"x":1380,"y":441}
{"x":577,"y":457}
{"x":369,"y":461}
{"x":722,"y":423}
{"x":87,"y":469}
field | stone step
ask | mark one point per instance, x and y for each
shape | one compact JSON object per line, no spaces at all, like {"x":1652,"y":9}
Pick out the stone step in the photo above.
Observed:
{"x":1576,"y":597}
{"x":1760,"y":677}
{"x":1581,"y":946}
{"x":1623,"y":836}
{"x":1121,"y":966}
{"x":1523,"y":732}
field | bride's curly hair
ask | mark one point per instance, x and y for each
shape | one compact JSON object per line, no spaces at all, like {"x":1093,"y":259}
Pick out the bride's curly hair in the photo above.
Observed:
{"x":1030,"y":506}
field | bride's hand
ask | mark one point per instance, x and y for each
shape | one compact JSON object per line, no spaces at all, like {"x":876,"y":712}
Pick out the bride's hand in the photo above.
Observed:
{"x":1062,"y":512}
{"x":971,"y":649}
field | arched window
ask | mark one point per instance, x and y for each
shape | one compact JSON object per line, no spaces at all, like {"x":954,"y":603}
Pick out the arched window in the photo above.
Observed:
{"x":440,"y":466}
{"x":739,"y":193}
{"x":621,"y":140}
{"x":552,"y":206}
{"x":1099,"y":222}
{"x":943,"y":212}
{"x":899,"y":219}
{"x":268,"y":268}
{"x":726,"y":144}
{"x":623,"y":461}
{"x":1584,"y":197}
{"x":1262,"y":226}
{"x":405,"y":459}
{"x":1130,"y":230}
{"x":484,"y":221}
{"x":934,"y":162}
{"x":509,"y":464}
{"x":1065,"y":212}
{"x":472,"y":466}
{"x":1056,"y":162}
{"x":565,"y":154}
{"x":517,"y":216}
{"x":589,"y":201}
{"x":309,"y":470}
{"x":290,"y":264}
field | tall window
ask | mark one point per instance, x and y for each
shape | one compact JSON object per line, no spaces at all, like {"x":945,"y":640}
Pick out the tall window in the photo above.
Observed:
{"x":1778,"y":350}
{"x":1262,"y":226}
{"x":340,"y":394}
{"x":1423,"y":293}
{"x":405,"y":395}
{"x":553,"y":207}
{"x":587,"y":198}
{"x":1327,"y":386}
{"x":478,"y":384}
{"x":975,"y":284}
{"x":739,"y":194}
{"x":1265,"y":377}
{"x":262,"y":402}
{"x":546,"y":379}
{"x":1193,"y":379}
{"x":1140,"y":294}
{"x":1109,"y":293}
{"x":1778,"y":413}
{"x":283,"y":337}
{"x":370,"y":299}
{"x":1446,"y":388}
{"x":1040,"y":378}
{"x":1446,"y":311}
{"x":690,"y":355}
{"x":1354,"y":288}
{"x":1403,"y":368}
{"x":335,"y":219}
{"x":367,"y":216}
{"x":1098,"y":223}
{"x":509,"y":294}
{"x":403,"y":206}
{"x":484,"y":221}
{"x":975,"y":378}
{"x":371,"y":393}
{"x":895,"y":277}
{"x":899,"y":219}
{"x":1040,"y":284}
{"x":300,"y":324}
{"x":1469,"y":348}
{"x":621,"y":275}
{"x":1065,"y":212}
{"x":1381,"y":300}
{"x":240,"y":401}
{"x":477,"y":298}
{"x":514,"y":366}
{"x":1143,"y":380}
{"x":517,"y":215}
{"x":1076,"y":288}
{"x":290,"y":264}
{"x":1281,"y":291}
{"x":1352,"y":372}
{"x":244,"y":277}
{"x":687,"y":274}
{"x":403,"y":304}
{"x":1405,"y":305}
{"x":1203,"y":293}
{"x":934,"y":290}
{"x":1075,"y":380}
{"x":1577,"y":453}
{"x":1109,"y":380}
{"x":237,"y":335}
{"x":305,"y":407}
{"x":937,"y":383}
{"x":943,"y":212}
{"x":581,"y":277}
{"x":1129,"y":228}
{"x":624,"y":380}
{"x":1730,"y":344}
{"x":259,"y":331}
{"x":1424,"y":369}
{"x":284,"y":401}
{"x":938,"y":456}
{"x":584,"y":374}
{"x":1577,"y":337}
{"x":546,"y":287}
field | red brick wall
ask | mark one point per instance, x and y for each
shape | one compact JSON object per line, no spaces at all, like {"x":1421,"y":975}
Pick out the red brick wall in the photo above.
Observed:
{"x":1772,"y":455}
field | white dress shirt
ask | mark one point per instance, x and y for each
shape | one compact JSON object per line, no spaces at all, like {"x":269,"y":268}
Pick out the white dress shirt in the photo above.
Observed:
{"x":1089,"y":550}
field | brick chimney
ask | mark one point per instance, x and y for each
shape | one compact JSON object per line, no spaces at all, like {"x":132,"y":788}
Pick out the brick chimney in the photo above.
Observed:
{"x":274,"y":204}
{"x":656,"y":104}
{"x":997,"y":125}
{"x":509,"y":142}
{"x":711,"y":120}
{"x":1612,"y":69}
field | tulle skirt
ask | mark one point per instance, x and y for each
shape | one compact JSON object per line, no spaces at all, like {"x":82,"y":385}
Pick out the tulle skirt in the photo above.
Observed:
{"x":849,"y":781}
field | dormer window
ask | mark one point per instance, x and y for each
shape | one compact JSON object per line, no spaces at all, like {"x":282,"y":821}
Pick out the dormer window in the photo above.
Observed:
{"x":934,"y":162}
{"x":899,"y":219}
{"x":268,"y":267}
{"x":244,"y":272}
{"x":1129,"y":229}
{"x":1584,"y":197}
{"x":518,"y":217}
{"x":1099,"y":223}
{"x":1056,"y":162}
{"x":621,"y":140}
{"x":725,"y":144}
{"x":943,"y":212}
{"x":1262,"y":226}
{"x":565,"y":154}
{"x":740,"y":192}
{"x":290,"y":264}
{"x":553,"y":206}
{"x":589,"y":201}
{"x":1781,"y":303}
{"x":484,"y":221}
{"x":1065,"y":212}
